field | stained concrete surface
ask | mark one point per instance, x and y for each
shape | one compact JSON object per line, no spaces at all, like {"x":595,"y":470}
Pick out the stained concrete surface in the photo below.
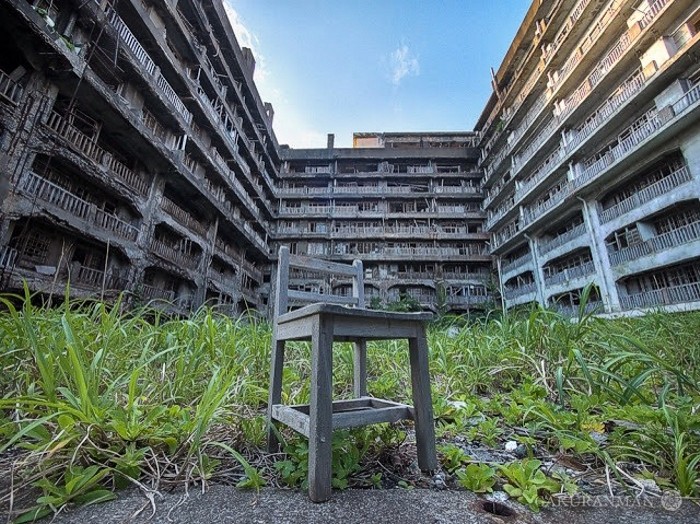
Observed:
{"x":222,"y":504}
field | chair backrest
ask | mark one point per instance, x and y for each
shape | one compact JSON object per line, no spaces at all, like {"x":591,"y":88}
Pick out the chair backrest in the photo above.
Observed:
{"x":284,"y":294}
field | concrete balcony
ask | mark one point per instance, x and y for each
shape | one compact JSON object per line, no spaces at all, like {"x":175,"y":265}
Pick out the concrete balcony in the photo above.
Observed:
{"x":89,"y":148}
{"x":543,"y":171}
{"x":294,"y":191}
{"x":576,"y":13}
{"x":10,"y":90}
{"x":658,"y":244}
{"x":572,"y":234}
{"x":517,"y":266}
{"x":637,"y":133}
{"x":183,"y":217}
{"x":628,"y":89}
{"x":611,"y":58}
{"x":525,"y":289}
{"x":665,"y":296}
{"x":58,"y":197}
{"x":573,"y":310}
{"x":505,"y":234}
{"x":453,"y":275}
{"x":149,"y":65}
{"x":588,"y":42}
{"x":304,"y":211}
{"x":532,"y":213}
{"x":225,"y":282}
{"x":174,"y":255}
{"x":155,"y":293}
{"x":256,"y":237}
{"x":415,"y":275}
{"x":467,"y":300}
{"x":95,"y":279}
{"x":582,"y":271}
{"x":661,"y":187}
{"x":535,"y":145}
{"x":457,"y":211}
{"x":641,"y":132}
{"x":499,"y":213}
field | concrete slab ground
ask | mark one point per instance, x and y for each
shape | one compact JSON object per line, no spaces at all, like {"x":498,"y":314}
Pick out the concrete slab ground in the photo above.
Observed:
{"x":222,"y":504}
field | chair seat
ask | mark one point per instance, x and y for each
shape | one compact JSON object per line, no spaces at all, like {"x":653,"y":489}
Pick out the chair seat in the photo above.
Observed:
{"x":350,"y":323}
{"x":336,"y":309}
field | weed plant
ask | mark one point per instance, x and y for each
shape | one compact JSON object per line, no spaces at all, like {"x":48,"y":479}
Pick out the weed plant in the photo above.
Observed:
{"x":93,"y":398}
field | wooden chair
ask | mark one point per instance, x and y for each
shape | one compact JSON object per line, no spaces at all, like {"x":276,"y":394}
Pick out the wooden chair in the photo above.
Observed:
{"x":329,"y":318}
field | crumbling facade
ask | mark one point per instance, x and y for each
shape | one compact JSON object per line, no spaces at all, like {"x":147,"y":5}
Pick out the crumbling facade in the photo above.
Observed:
{"x":591,"y":156}
{"x":137,"y":155}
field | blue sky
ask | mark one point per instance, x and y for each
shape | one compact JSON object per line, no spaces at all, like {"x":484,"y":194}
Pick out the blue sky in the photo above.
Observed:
{"x":339,"y":66}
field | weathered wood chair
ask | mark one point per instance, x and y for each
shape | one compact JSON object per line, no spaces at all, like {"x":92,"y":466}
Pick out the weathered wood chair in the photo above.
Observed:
{"x":327,"y":320}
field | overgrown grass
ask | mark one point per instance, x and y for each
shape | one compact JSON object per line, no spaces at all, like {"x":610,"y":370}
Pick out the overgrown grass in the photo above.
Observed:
{"x":94,"y":399}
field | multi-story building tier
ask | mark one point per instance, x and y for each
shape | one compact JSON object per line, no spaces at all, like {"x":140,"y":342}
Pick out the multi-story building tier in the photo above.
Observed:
{"x":136,"y":154}
{"x":591,"y":156}
{"x":407,"y":204}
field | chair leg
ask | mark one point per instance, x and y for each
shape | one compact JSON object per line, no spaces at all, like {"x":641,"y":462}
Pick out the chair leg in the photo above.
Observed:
{"x":275,"y":397}
{"x":422,"y":402}
{"x":360,"y":369}
{"x":321,"y":409}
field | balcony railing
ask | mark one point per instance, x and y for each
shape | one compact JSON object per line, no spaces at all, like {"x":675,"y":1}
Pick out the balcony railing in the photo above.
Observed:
{"x":183,"y":217}
{"x":456,"y":275}
{"x":658,"y":297}
{"x":90,"y":277}
{"x":511,"y":293}
{"x":530,"y":214}
{"x":682,"y":235}
{"x":130,"y":40}
{"x":55,"y":195}
{"x":116,"y":225}
{"x":687,"y":100}
{"x":462,"y":300}
{"x":627,"y":90}
{"x":128,"y":176}
{"x":174,"y":255}
{"x":584,"y":270}
{"x":562,"y":239}
{"x":9,"y":89}
{"x":514,"y":264}
{"x":8,"y":255}
{"x":642,"y":129}
{"x":87,"y":146}
{"x":506,"y":233}
{"x":145,"y":60}
{"x":573,"y":310}
{"x":652,"y":12}
{"x":155,"y":293}
{"x":658,"y":188}
{"x":71,"y":134}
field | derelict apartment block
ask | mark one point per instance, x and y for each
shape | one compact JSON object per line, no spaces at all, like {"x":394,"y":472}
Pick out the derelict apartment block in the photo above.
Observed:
{"x":409,"y":205}
{"x":135,"y":153}
{"x":591,"y":156}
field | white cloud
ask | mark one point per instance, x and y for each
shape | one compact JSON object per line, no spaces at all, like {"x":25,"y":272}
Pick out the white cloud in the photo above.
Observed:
{"x":290,"y":127}
{"x":403,"y":63}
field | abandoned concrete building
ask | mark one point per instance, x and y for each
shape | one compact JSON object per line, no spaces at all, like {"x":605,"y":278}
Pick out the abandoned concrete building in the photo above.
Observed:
{"x":408,"y":205}
{"x":136,"y":154}
{"x":591,"y":156}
